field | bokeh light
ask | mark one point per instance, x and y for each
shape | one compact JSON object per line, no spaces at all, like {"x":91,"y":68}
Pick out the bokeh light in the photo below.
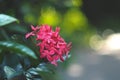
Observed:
{"x":49,"y":16}
{"x":75,"y":70}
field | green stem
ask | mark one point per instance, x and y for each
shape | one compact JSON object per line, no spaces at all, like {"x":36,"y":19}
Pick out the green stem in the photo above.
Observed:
{"x":4,"y":34}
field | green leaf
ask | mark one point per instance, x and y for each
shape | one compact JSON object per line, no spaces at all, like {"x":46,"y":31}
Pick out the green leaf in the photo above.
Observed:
{"x":5,"y":19}
{"x":32,"y":74}
{"x":9,"y":71}
{"x":44,"y":68}
{"x":17,"y":48}
{"x":16,"y":28}
{"x":11,"y":74}
{"x":2,"y":73}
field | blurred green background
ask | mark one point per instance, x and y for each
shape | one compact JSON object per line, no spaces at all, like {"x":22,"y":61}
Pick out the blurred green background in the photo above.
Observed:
{"x":85,"y":23}
{"x":67,"y":14}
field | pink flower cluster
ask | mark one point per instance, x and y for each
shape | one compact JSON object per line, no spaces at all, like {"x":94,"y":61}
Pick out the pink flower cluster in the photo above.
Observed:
{"x":52,"y":45}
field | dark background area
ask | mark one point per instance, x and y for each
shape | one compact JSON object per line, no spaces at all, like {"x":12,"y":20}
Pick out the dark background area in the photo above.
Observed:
{"x":103,"y":12}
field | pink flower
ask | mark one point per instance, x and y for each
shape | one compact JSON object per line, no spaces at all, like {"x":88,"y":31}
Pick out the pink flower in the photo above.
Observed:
{"x":52,"y":45}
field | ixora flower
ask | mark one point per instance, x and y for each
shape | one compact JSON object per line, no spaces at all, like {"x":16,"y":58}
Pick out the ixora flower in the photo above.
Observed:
{"x":52,"y":45}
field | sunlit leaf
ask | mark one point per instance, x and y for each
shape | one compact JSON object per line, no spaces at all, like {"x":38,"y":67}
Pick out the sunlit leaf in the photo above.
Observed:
{"x":46,"y":71}
{"x":11,"y":74}
{"x":42,"y":70}
{"x":9,"y":71}
{"x":42,"y":67}
{"x":45,"y":67}
{"x":33,"y":71}
{"x":33,"y":74}
{"x":5,"y":19}
{"x":17,"y":48}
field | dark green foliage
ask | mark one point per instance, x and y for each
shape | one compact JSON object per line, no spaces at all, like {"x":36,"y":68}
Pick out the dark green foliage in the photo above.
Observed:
{"x":18,"y":61}
{"x":17,"y":48}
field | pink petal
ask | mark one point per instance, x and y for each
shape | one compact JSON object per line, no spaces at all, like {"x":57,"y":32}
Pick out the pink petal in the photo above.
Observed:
{"x":33,"y":28}
{"x":29,"y":34}
{"x":61,"y":58}
{"x":49,"y":58}
{"x":54,"y":63}
{"x":52,"y":52}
